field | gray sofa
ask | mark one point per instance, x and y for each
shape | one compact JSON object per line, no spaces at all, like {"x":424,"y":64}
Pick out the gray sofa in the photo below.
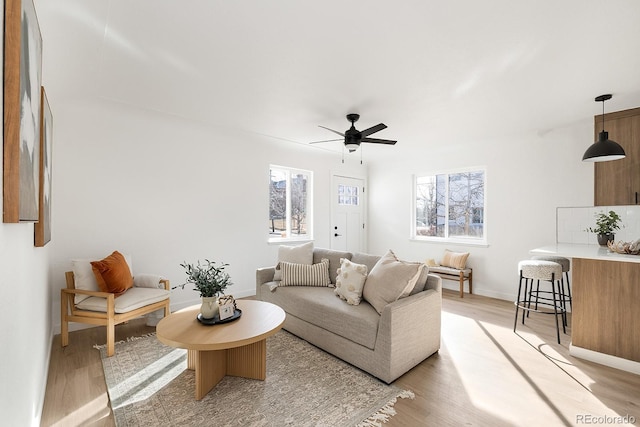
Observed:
{"x":385,"y":345}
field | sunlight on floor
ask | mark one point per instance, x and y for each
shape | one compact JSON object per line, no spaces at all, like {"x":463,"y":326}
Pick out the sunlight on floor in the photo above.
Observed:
{"x":145,"y":383}
{"x":542,"y":377}
{"x":90,"y":412}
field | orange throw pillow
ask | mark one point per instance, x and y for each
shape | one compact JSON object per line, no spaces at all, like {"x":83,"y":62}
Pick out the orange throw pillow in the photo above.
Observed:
{"x":113,"y":274}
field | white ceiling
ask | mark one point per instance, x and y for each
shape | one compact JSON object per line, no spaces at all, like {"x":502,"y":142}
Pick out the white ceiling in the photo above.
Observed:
{"x":431,"y":71}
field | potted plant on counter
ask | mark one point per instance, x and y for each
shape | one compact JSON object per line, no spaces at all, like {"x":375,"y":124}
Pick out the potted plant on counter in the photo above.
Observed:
{"x":606,"y":225}
{"x":210,"y":279}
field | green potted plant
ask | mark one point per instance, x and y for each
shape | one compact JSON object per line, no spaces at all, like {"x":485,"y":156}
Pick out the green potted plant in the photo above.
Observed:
{"x":210,"y":279}
{"x":606,"y":225}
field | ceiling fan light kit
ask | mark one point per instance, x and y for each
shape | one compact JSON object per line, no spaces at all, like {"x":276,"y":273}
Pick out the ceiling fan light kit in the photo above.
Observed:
{"x":603,"y":149}
{"x":353,"y":137}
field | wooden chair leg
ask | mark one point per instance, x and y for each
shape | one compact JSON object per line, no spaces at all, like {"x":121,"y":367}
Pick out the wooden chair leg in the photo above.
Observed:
{"x":471,"y":282}
{"x":64,"y":323}
{"x":461,"y":284}
{"x":111,"y":325}
{"x":111,"y":337}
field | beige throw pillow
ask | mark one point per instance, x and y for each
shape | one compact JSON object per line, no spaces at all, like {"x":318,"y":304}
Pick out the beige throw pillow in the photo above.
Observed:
{"x":350,"y":281}
{"x":305,"y":275}
{"x":391,"y":279}
{"x":300,"y":254}
{"x":454,"y":259}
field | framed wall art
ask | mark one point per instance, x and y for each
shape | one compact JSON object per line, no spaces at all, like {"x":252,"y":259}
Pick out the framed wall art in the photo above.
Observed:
{"x":22,"y":83}
{"x":43,"y":226}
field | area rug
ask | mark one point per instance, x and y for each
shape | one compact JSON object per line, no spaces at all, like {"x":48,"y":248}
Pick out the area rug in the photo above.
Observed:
{"x":149,"y":385}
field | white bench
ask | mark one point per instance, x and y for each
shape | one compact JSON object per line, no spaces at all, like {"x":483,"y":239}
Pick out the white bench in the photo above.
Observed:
{"x":450,"y":273}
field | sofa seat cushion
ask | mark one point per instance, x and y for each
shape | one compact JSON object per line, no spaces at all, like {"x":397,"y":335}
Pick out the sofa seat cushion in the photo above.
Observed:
{"x":322,"y":308}
{"x":132,"y":299}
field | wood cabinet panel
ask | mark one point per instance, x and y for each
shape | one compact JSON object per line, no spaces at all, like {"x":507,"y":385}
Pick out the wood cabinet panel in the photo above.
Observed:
{"x":605,"y":312}
{"x":618,"y":182}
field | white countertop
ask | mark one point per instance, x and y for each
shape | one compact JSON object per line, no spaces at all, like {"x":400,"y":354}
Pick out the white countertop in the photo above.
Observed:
{"x":584,"y":251}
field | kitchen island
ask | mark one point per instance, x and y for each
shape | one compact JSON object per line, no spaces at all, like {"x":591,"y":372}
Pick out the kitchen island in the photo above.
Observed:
{"x":605,"y":311}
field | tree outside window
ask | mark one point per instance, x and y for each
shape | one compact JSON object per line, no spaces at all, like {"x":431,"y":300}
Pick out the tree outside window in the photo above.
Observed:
{"x":450,"y":206}
{"x":289,"y":203}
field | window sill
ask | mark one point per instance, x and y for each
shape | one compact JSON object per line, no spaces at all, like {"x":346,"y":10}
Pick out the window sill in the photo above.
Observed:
{"x":280,"y":240}
{"x":457,"y":242}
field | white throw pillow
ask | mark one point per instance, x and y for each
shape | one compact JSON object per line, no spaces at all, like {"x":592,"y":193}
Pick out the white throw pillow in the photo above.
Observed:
{"x":84,"y":278}
{"x":300,"y":254}
{"x":350,"y":281}
{"x":391,"y":279}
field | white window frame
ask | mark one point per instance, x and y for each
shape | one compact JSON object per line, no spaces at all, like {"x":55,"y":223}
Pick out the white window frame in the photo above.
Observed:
{"x":289,"y":171}
{"x":462,"y":240}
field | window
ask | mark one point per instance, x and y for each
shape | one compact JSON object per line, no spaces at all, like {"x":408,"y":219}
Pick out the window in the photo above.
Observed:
{"x":450,"y":206}
{"x":290,"y":194}
{"x":348,"y":195}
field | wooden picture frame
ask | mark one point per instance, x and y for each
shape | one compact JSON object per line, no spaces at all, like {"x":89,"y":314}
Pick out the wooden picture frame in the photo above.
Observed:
{"x":42,"y":230}
{"x":22,"y":83}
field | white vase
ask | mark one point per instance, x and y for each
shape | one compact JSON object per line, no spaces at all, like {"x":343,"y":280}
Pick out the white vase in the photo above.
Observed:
{"x":209,"y":307}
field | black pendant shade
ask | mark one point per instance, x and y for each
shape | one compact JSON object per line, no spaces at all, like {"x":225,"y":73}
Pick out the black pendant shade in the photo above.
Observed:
{"x":603,"y":149}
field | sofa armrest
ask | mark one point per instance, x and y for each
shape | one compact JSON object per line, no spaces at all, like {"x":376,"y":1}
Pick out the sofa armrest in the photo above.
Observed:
{"x":409,"y":330}
{"x":263,"y":275}
{"x":434,"y":282}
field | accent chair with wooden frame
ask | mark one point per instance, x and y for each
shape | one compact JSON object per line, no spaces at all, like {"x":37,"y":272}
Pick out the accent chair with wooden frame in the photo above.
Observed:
{"x":104,"y":309}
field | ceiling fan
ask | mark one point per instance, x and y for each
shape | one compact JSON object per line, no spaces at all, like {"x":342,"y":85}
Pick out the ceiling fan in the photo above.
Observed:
{"x":353,"y":137}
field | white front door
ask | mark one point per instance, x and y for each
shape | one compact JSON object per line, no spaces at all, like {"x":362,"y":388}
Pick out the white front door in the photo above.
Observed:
{"x":347,"y":214}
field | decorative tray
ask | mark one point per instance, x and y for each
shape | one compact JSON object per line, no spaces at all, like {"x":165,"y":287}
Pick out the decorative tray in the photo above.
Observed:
{"x":215,"y":320}
{"x":626,"y":248}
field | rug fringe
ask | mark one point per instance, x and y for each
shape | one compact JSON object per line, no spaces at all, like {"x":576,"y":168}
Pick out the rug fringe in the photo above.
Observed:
{"x":387,"y":411}
{"x":129,"y":339}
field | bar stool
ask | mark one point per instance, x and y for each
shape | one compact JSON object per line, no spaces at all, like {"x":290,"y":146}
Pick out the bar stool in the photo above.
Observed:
{"x":546,"y":271}
{"x":566,"y":286}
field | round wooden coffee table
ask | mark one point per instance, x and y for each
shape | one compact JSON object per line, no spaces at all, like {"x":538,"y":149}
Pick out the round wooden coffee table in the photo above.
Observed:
{"x":237,"y":348}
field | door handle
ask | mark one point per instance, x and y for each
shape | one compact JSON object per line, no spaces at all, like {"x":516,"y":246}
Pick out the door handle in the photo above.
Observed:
{"x":336,"y":234}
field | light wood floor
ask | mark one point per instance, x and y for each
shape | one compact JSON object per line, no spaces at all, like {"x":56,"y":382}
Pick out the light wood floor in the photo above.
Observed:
{"x":484,"y":375}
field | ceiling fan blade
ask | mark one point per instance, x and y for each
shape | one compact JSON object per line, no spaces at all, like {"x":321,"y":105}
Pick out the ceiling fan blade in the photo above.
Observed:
{"x":379,"y":141}
{"x":326,"y":140}
{"x":373,"y":129}
{"x":334,"y":131}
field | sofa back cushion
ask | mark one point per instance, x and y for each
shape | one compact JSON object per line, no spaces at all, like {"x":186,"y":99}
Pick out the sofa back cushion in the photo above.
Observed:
{"x":334,"y":260}
{"x":366,"y":259}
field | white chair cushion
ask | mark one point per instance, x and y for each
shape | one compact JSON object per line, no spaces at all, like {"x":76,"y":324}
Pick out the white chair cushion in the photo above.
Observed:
{"x":132,"y":299}
{"x":449,"y":270}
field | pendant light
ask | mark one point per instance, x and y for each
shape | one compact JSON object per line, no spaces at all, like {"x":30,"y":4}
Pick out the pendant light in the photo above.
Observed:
{"x":603,"y":149}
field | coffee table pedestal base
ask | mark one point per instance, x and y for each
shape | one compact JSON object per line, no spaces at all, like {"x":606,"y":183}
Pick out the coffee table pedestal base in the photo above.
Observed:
{"x":249,"y":361}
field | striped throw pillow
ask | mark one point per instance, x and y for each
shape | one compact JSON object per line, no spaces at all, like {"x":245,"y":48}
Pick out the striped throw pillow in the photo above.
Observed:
{"x":305,"y":275}
{"x":454,"y":259}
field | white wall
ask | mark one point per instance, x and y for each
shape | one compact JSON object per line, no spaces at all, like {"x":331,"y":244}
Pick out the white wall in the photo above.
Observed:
{"x":25,"y":328}
{"x":167,"y":190}
{"x":528,"y":177}
{"x":573,"y":222}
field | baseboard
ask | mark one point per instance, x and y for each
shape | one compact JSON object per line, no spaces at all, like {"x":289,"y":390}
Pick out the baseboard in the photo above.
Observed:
{"x":605,"y":359}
